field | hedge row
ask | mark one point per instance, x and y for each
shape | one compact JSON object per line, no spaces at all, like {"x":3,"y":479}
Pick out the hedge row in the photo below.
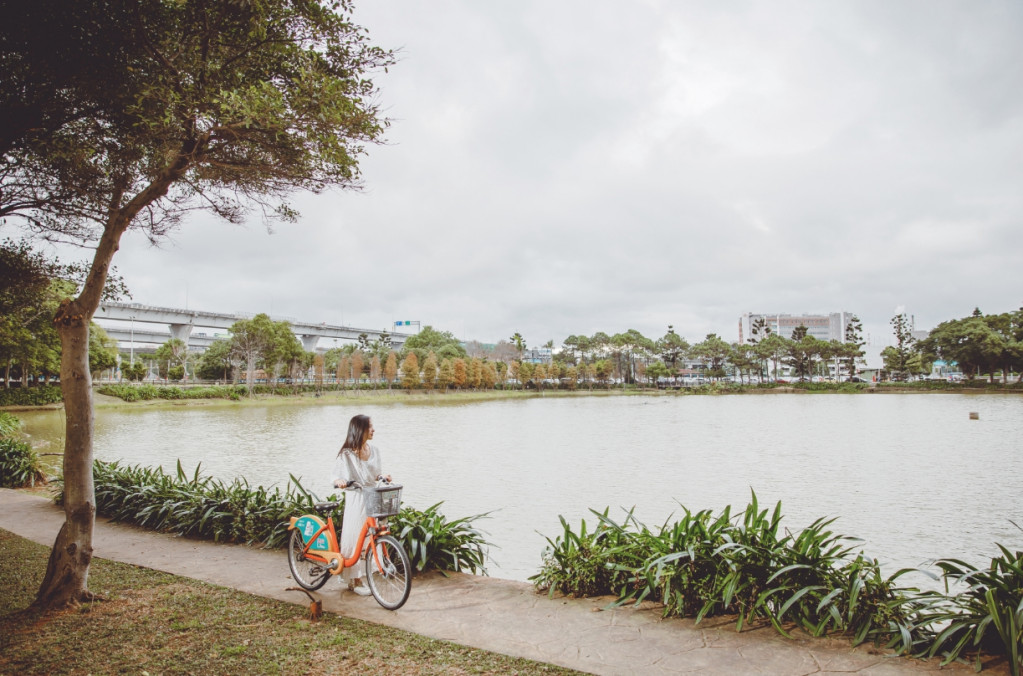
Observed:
{"x":148,"y":392}
{"x":31,"y":396}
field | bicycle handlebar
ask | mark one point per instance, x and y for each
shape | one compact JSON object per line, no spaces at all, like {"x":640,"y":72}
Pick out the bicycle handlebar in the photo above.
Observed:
{"x":355,"y":484}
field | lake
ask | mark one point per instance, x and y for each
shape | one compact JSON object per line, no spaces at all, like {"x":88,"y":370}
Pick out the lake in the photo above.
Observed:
{"x":910,"y":474}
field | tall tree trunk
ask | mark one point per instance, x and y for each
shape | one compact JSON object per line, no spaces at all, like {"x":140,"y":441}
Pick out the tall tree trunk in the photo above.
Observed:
{"x":250,"y":371}
{"x":67,"y":573}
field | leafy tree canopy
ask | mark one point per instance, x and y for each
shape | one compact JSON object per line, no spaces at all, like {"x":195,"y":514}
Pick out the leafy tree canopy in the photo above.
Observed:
{"x":102,"y":349}
{"x":443,"y":344}
{"x":978,"y":343}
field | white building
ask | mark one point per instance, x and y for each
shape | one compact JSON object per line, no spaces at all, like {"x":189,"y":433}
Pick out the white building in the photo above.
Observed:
{"x":537,"y":355}
{"x":822,"y":327}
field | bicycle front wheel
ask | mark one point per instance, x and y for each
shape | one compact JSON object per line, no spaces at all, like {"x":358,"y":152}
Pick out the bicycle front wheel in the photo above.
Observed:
{"x":308,"y":574}
{"x":388,"y":572}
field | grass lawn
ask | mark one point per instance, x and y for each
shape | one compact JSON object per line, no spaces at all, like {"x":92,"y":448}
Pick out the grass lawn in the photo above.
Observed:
{"x":156,"y":623}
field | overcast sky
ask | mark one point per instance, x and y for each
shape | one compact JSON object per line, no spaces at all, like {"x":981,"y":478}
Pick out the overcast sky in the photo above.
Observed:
{"x":558,"y":168}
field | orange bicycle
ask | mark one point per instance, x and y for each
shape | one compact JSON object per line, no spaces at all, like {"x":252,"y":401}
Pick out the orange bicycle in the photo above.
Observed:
{"x":314,"y":555}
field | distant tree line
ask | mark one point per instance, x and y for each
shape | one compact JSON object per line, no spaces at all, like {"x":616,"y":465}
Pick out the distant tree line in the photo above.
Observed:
{"x":263,"y":350}
{"x":976,"y":345}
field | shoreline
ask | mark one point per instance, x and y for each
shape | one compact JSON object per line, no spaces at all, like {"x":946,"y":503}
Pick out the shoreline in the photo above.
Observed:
{"x":433,"y":397}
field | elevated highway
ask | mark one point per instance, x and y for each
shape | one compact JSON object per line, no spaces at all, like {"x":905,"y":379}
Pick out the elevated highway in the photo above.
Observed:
{"x":135,"y":323}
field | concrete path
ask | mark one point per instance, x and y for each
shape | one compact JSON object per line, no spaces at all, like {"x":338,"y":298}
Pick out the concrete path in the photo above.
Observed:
{"x":499,"y":615}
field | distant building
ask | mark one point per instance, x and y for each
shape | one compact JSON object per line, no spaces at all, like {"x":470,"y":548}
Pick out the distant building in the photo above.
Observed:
{"x":537,"y":355}
{"x":822,"y":327}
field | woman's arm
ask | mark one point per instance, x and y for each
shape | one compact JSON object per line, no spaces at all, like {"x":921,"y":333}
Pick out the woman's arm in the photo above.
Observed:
{"x":375,"y":464}
{"x":341,"y":476}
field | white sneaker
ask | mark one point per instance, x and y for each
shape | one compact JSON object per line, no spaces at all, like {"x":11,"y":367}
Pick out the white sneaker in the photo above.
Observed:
{"x":362,"y":590}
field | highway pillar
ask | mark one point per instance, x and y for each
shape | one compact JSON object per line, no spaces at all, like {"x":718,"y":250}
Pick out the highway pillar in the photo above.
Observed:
{"x":181,"y":332}
{"x":309,"y":343}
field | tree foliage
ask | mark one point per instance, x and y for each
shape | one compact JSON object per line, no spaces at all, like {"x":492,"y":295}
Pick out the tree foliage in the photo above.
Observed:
{"x":102,"y":349}
{"x":217,"y":362}
{"x":672,"y":349}
{"x":430,"y":370}
{"x":443,"y":344}
{"x":410,"y":378}
{"x":391,"y":367}
{"x":172,"y":354}
{"x":897,"y":359}
{"x":978,"y":344}
{"x":715,"y":352}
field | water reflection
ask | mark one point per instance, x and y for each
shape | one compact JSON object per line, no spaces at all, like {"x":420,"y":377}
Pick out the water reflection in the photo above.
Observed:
{"x":911,"y":474}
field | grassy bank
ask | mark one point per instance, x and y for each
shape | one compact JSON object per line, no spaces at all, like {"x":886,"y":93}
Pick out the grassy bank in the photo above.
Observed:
{"x":209,"y":397}
{"x":156,"y":623}
{"x":368,"y":397}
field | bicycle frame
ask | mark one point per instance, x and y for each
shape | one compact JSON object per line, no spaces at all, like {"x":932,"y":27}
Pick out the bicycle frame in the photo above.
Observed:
{"x":331,"y":557}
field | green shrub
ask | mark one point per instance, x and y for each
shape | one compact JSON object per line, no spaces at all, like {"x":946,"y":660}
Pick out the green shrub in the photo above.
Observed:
{"x":208,"y":508}
{"x":195,"y":505}
{"x":31,"y":396}
{"x":434,"y":542}
{"x":956,"y":386}
{"x":988,"y":616}
{"x":10,"y":425}
{"x":19,"y":464}
{"x":591,"y":563}
{"x":128,"y":392}
{"x":148,"y":392}
{"x":845,"y":388}
{"x":749,"y":566}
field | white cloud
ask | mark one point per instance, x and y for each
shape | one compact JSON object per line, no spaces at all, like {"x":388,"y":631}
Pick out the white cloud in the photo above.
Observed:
{"x":572,"y":167}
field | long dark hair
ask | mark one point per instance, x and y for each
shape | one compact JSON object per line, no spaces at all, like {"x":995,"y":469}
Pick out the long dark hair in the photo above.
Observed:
{"x":358,"y":430}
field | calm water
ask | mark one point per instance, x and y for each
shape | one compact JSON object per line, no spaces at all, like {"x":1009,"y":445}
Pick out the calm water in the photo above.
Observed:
{"x":910,"y":474}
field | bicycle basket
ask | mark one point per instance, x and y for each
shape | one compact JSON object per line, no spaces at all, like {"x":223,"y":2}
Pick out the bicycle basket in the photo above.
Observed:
{"x":382,"y":500}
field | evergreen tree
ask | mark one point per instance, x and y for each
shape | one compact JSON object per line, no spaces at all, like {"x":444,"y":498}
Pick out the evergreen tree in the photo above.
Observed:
{"x":446,"y":373}
{"x":391,"y":368}
{"x":459,"y":374}
{"x":430,"y":370}
{"x":897,"y":362}
{"x":854,"y":344}
{"x":410,"y":372}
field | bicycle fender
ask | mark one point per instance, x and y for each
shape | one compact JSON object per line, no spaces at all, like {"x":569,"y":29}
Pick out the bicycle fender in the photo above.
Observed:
{"x":308,"y":525}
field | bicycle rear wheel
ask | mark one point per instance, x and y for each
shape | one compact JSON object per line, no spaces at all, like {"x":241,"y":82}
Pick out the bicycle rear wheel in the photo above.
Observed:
{"x":389,"y":573}
{"x":308,"y":574}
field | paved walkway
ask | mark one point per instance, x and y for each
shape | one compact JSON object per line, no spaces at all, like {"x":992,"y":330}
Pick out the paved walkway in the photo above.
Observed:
{"x":498,"y":615}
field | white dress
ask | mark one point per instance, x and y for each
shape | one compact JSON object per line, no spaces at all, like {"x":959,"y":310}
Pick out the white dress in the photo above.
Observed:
{"x":349,"y":467}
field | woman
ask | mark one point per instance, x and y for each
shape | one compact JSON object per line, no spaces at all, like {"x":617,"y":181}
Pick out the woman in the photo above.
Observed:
{"x":357,"y":463}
